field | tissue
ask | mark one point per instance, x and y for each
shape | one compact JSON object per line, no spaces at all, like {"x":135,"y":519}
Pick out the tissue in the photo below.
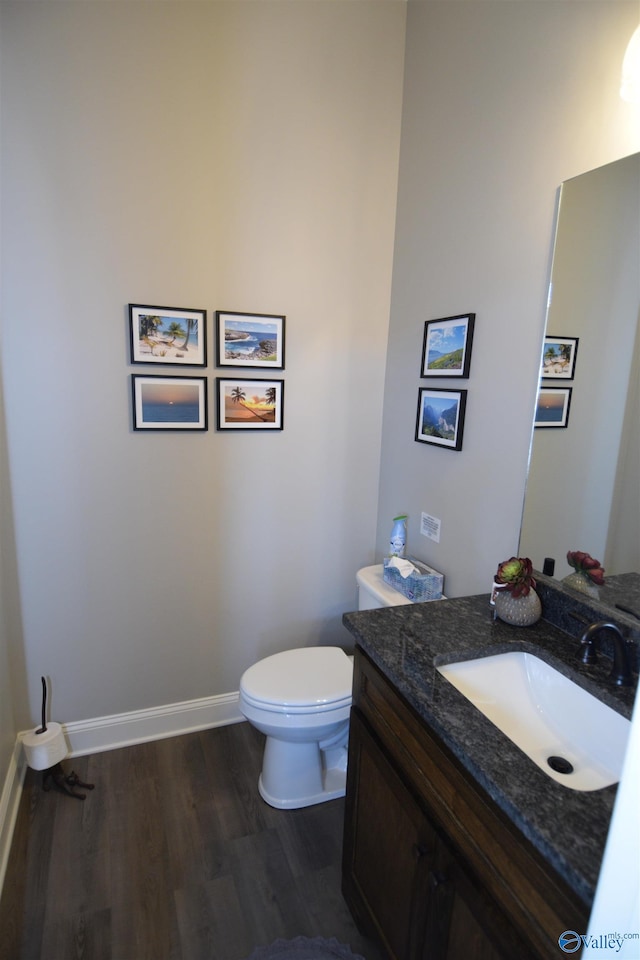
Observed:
{"x":404,"y":567}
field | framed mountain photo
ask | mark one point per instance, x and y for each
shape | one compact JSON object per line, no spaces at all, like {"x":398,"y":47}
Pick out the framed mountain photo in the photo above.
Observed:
{"x":446,"y":350}
{"x":440,"y":418}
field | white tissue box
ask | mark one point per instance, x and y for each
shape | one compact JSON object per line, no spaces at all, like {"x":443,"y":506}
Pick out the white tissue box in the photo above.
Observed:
{"x":427,"y":585}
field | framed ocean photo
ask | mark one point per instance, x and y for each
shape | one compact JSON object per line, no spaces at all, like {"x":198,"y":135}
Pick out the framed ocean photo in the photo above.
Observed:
{"x":169,"y":403}
{"x":168,"y":335}
{"x":440,"y":418}
{"x":249,"y":340}
{"x":552,"y":407}
{"x":446,"y":350}
{"x":244,"y":404}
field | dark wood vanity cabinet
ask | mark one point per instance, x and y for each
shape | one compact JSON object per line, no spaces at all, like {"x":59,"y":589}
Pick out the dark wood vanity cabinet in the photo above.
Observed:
{"x":431,"y":868}
{"x":402,"y":878}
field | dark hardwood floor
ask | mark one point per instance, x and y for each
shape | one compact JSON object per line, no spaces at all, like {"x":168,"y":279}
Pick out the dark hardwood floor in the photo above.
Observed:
{"x":173,"y":856}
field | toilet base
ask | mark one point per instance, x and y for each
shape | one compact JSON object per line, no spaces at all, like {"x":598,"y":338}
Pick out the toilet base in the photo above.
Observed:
{"x":298,"y":775}
{"x":336,"y":783}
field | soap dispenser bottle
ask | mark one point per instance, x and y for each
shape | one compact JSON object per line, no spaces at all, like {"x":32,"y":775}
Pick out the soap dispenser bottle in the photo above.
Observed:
{"x":398,"y":539}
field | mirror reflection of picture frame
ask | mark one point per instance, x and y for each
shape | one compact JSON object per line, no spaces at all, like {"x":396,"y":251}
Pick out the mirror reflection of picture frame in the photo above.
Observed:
{"x":559,"y":358}
{"x":446,"y":348}
{"x":552,"y":407}
{"x":440,"y":417}
{"x":171,"y":336}
{"x":169,"y":403}
{"x":245,"y":404}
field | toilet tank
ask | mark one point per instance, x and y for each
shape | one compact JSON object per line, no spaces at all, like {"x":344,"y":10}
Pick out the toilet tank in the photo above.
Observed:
{"x":373,"y":592}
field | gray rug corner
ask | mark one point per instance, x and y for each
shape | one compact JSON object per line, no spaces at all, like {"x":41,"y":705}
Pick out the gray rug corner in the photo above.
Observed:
{"x":305,"y":948}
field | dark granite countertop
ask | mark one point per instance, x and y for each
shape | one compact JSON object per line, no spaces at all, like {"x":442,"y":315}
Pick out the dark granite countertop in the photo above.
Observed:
{"x":408,"y":643}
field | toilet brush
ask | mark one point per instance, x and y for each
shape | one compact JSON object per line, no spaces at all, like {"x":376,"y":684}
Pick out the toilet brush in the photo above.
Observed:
{"x":43,"y":728}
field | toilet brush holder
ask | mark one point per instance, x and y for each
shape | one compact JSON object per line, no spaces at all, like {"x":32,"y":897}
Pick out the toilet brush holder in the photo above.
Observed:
{"x":45,"y":748}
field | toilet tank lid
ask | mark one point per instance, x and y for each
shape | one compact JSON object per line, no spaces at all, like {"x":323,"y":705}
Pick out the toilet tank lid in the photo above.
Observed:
{"x":372,"y":579}
{"x":307,"y":676}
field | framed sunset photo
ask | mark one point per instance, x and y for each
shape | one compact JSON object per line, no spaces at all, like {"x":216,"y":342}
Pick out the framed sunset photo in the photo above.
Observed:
{"x":169,"y":403}
{"x":552,"y":408}
{"x":244,"y":404}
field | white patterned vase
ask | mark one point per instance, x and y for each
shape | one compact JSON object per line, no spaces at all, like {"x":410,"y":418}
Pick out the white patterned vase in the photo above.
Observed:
{"x":518,"y":611}
{"x":583,"y":584}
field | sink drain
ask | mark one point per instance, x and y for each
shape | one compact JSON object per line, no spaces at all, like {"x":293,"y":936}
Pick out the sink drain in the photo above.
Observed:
{"x":560,"y":764}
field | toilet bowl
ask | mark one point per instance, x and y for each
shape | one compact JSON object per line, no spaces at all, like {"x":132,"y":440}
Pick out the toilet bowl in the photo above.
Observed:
{"x":300,"y":700}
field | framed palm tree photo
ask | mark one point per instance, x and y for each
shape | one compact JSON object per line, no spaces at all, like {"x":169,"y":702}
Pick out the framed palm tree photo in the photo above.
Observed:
{"x":559,"y":358}
{"x":244,"y":404}
{"x":168,"y":335}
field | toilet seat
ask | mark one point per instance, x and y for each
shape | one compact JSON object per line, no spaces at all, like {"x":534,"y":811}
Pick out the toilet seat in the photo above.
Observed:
{"x":307,"y":680}
{"x":308,"y":710}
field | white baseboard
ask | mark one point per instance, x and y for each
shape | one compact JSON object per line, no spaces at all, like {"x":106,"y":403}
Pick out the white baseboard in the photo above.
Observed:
{"x":9,"y":803}
{"x":154,"y":723}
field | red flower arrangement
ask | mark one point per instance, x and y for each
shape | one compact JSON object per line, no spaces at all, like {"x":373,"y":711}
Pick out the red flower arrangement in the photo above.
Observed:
{"x":585,"y":564}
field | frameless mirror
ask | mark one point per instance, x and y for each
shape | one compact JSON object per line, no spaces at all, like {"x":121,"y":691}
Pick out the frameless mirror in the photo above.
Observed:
{"x":583,"y":490}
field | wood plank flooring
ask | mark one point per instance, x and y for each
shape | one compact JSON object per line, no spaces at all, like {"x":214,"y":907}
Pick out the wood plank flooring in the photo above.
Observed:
{"x":173,"y":856}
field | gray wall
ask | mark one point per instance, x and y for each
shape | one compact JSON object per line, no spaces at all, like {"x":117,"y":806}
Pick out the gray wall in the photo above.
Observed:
{"x":245,"y":156}
{"x":502,"y":102}
{"x":7,"y":562}
{"x":235,"y":156}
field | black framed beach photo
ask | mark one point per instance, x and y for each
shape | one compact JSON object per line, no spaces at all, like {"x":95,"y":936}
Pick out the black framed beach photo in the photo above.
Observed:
{"x":244,"y":404}
{"x":552,"y":407}
{"x":169,"y":403}
{"x":249,"y":340}
{"x":440,"y":418}
{"x":168,"y":335}
{"x":446,"y":350}
{"x":559,"y":358}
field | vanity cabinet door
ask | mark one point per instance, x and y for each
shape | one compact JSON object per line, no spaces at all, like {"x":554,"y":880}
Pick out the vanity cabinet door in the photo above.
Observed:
{"x":464,"y":923}
{"x":389,"y":849}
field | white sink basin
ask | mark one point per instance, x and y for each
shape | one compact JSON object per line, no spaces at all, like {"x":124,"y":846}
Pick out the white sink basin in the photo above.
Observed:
{"x":546,"y":715}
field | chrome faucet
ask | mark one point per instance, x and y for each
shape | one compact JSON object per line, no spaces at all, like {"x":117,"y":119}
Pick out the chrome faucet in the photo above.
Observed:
{"x":621,"y":674}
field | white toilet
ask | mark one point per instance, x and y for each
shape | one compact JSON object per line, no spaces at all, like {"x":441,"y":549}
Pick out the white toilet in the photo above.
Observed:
{"x":301,"y":700}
